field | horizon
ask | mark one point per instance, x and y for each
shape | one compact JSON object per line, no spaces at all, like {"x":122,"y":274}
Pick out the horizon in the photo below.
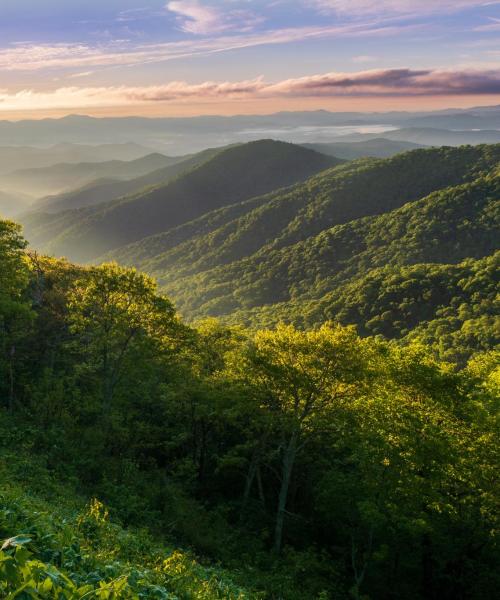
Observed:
{"x":182,"y":58}
{"x":249,"y":326}
{"x":450,"y":109}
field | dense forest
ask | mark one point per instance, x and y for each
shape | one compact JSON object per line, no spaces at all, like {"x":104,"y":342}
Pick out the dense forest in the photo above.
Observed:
{"x":143,"y":456}
{"x":404,"y":248}
{"x":230,"y":176}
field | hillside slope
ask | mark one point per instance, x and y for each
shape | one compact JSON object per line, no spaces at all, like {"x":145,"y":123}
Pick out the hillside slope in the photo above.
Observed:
{"x":299,"y":256}
{"x":13,"y":158}
{"x":447,"y":226}
{"x":452,"y":308}
{"x":376,"y":147}
{"x":127,"y":437}
{"x":59,"y":544}
{"x":231,"y":176}
{"x":100,"y":191}
{"x":334,"y":197}
{"x":63,"y":176}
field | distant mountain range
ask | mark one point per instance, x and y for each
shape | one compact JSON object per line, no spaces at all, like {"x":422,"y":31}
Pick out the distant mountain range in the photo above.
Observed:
{"x":376,"y":147}
{"x":88,"y":161}
{"x":192,"y":134}
{"x":55,"y":178}
{"x":230,"y":176}
{"x":13,"y":158}
{"x":100,"y":190}
{"x":429,"y":136}
{"x":267,"y":231}
{"x":11,"y":205}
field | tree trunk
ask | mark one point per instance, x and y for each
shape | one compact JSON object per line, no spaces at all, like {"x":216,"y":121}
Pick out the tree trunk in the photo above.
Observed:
{"x":260,"y":487}
{"x":11,"y":379}
{"x":202,"y":454}
{"x":287,"y":468}
{"x":107,"y":391}
{"x":253,"y":474}
{"x":252,"y":471}
{"x":359,"y":573}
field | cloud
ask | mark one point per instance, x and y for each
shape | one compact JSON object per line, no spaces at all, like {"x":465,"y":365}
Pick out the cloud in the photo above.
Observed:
{"x":393,"y":82}
{"x":364,"y":58}
{"x":180,"y":90}
{"x":39,"y":57}
{"x":202,"y":19}
{"x":94,"y":97}
{"x":133,"y":14}
{"x":396,"y":7}
{"x":82,"y":74}
{"x":372,"y":83}
{"x":196,"y":18}
{"x":494,"y":25}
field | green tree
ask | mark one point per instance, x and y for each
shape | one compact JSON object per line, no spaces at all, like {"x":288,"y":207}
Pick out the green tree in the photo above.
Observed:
{"x":15,"y":313}
{"x":303,"y":378}
{"x":116,"y":312}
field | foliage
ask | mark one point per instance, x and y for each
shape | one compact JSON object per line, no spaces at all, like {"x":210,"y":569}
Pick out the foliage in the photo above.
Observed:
{"x":141,"y":457}
{"x":72,"y":560}
{"x":232,"y":175}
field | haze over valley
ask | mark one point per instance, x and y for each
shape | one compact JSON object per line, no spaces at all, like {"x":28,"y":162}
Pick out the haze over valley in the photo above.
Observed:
{"x":249,"y":309}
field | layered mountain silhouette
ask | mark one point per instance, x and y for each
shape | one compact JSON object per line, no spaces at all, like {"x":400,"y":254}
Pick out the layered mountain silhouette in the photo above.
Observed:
{"x":231,"y":176}
{"x":66,"y":176}
{"x":102,"y":190}
{"x":267,"y":232}
{"x":13,"y":158}
{"x":376,"y":147}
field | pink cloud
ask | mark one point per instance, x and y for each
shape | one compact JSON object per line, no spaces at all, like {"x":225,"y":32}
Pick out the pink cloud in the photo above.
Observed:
{"x":397,"y":7}
{"x":38,"y":57}
{"x":393,"y":82}
{"x":202,"y":19}
{"x":372,"y":83}
{"x":179,"y":90}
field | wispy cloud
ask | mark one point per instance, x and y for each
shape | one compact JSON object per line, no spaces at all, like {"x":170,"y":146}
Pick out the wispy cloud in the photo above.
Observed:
{"x":364,"y":58}
{"x":133,"y":14}
{"x":72,"y":97}
{"x":493,"y":25}
{"x":397,"y":7}
{"x":202,"y":19}
{"x":373,"y":83}
{"x":34,"y":57}
{"x":82,"y":74}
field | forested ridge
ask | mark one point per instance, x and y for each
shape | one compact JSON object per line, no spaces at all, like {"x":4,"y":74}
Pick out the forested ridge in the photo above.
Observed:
{"x":233,"y":175}
{"x":100,"y":190}
{"x":67,"y":175}
{"x":405,"y":247}
{"x":142,"y":456}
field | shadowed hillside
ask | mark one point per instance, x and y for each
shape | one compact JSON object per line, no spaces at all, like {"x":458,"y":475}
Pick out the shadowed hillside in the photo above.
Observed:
{"x":298,"y":256}
{"x":56,"y":178}
{"x":376,"y":147}
{"x":231,"y":176}
{"x":101,"y":191}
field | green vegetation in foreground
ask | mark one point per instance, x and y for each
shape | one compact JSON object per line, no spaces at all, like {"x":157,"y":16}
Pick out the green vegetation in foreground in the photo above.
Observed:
{"x":299,"y":464}
{"x":69,"y":550}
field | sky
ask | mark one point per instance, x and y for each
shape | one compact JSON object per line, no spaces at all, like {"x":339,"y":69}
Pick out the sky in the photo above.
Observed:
{"x":189,"y":57}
